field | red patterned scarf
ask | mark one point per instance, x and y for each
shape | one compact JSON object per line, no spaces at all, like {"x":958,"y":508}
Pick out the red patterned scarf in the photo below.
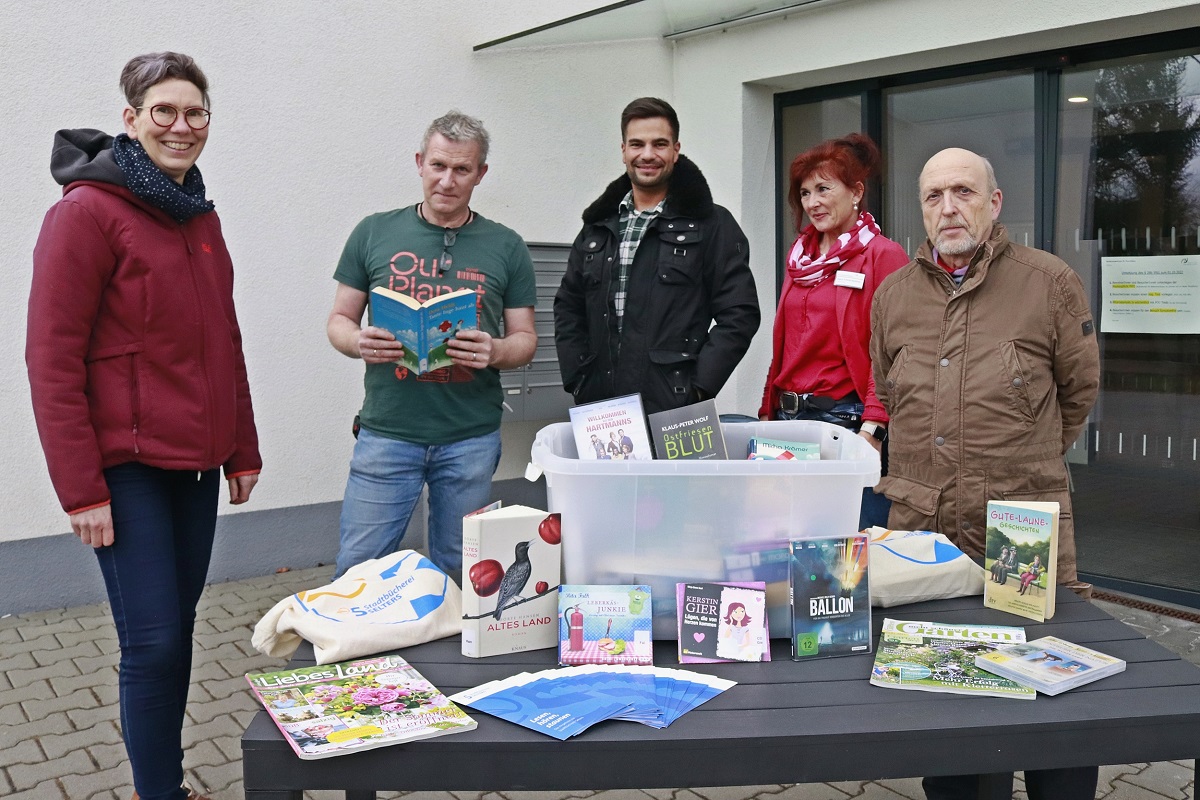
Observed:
{"x":805,"y":270}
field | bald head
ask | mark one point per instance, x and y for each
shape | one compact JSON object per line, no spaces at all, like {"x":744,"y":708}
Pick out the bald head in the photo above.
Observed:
{"x":959,"y":202}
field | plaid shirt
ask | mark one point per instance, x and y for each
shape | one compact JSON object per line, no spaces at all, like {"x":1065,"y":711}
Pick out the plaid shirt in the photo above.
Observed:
{"x":632,"y":227}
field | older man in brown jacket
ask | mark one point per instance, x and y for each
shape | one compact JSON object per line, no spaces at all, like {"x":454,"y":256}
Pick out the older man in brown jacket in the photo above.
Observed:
{"x":984,"y":355}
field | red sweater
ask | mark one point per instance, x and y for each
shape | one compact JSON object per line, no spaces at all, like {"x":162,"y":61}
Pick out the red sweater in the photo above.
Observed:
{"x":852,"y":308}
{"x":133,"y":347}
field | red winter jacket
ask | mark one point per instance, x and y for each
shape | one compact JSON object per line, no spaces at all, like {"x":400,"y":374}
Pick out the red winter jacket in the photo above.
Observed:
{"x":133,"y":347}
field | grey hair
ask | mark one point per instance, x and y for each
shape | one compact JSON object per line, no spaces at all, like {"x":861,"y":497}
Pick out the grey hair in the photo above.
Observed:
{"x":151,"y":69}
{"x":458,"y":127}
{"x":992,"y":186}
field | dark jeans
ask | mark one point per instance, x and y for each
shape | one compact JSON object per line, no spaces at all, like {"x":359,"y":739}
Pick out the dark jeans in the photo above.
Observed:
{"x":875,"y":507}
{"x":163,"y":523}
{"x":1074,"y":783}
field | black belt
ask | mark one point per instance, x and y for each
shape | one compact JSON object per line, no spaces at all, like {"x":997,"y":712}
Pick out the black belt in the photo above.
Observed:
{"x":794,"y":403}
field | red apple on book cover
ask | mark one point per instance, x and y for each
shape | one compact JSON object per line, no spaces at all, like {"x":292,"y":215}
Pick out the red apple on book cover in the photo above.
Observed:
{"x":551,"y":529}
{"x":485,"y":577}
{"x":542,"y":587}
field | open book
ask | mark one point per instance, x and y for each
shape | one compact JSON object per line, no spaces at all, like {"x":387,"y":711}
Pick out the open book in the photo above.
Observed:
{"x":424,"y":328}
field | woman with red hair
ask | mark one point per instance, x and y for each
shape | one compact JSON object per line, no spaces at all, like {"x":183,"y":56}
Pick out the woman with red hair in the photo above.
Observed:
{"x":820,"y":362}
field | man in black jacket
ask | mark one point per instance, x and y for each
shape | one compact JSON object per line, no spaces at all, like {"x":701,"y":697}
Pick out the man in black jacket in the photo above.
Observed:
{"x":658,"y":297}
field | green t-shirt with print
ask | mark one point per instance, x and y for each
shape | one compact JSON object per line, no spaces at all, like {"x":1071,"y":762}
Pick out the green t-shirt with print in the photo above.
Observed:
{"x":401,"y":251}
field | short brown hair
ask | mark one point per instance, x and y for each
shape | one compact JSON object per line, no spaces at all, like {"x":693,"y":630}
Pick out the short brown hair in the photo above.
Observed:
{"x":852,"y":159}
{"x":151,"y":69}
{"x":649,"y":108}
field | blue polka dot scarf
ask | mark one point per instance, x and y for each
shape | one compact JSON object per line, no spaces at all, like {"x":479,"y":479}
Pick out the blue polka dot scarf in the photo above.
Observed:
{"x":147,"y":181}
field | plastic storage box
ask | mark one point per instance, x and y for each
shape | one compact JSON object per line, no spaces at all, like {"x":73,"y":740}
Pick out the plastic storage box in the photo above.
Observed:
{"x":662,"y":522}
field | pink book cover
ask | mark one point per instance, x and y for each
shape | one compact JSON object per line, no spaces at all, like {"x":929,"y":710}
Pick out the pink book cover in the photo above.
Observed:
{"x":718,"y":623}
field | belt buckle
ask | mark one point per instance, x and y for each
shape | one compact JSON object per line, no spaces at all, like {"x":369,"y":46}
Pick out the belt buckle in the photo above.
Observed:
{"x":792,"y":399}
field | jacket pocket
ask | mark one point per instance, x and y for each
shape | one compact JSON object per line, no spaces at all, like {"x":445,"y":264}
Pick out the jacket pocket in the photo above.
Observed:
{"x":914,"y":504}
{"x":673,"y":373}
{"x":680,"y":254}
{"x":894,"y":380}
{"x":1017,"y":378}
{"x":114,"y":392}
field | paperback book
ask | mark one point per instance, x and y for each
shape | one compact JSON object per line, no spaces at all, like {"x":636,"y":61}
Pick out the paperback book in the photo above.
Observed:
{"x":830,"y":597}
{"x":565,"y":702}
{"x":722,"y":622}
{"x":601,"y":624}
{"x":342,"y":708}
{"x":1021,"y":556}
{"x":691,"y":432}
{"x":611,"y":430}
{"x":931,"y":657}
{"x":760,"y":449}
{"x":424,"y":328}
{"x":511,"y":563}
{"x":1050,"y":665}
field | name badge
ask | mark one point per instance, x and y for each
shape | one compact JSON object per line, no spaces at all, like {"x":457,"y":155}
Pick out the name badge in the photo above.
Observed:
{"x":855,"y":280}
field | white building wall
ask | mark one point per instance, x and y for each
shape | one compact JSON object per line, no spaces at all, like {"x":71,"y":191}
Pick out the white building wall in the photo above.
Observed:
{"x":725,"y":84}
{"x":318,"y":109}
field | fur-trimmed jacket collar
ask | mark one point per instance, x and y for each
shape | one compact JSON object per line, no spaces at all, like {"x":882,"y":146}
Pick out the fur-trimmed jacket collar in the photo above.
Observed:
{"x":688,"y":196}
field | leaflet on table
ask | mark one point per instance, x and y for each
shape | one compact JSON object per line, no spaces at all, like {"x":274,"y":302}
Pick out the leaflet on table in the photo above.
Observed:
{"x":934,"y":657}
{"x":564,"y":702}
{"x":355,"y":705}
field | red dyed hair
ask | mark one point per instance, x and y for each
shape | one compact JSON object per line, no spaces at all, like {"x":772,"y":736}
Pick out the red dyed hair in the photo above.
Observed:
{"x":852,"y":159}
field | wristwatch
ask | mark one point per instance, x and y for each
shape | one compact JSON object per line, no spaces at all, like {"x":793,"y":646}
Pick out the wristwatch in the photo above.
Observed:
{"x":879,"y":432}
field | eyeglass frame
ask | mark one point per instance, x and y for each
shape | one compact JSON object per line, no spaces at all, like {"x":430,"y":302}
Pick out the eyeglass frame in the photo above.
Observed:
{"x":207,"y":115}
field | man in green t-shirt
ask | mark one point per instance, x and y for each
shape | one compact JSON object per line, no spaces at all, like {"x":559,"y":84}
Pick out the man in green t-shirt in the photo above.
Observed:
{"x":441,"y":428}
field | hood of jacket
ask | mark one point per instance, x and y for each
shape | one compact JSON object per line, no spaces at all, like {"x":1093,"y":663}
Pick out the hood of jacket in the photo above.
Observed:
{"x":84,"y":154}
{"x":687,"y":196}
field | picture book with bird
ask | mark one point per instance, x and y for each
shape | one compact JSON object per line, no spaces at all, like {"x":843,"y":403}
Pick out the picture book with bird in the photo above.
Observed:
{"x":1049,"y":664}
{"x":424,"y":328}
{"x":691,"y":432}
{"x":722,"y":622}
{"x":830,"y":597}
{"x":349,"y":706}
{"x":611,"y":430}
{"x":1021,"y":556}
{"x":511,"y":566}
{"x":604,"y":624}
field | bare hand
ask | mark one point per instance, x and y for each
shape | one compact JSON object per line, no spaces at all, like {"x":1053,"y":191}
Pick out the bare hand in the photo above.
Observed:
{"x":240,"y":488}
{"x":878,"y":445}
{"x":378,"y":346}
{"x":94,"y":526}
{"x":472,"y":349}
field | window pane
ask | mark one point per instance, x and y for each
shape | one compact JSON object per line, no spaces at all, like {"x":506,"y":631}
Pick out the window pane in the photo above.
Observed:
{"x":1129,"y":188}
{"x":992,"y":116}
{"x":802,"y":127}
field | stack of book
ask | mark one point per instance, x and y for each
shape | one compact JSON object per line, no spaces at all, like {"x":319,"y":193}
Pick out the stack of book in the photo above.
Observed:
{"x":1050,"y":665}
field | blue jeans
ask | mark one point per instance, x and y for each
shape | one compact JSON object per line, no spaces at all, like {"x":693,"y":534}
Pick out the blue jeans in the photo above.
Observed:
{"x":164,"y":522}
{"x":386,"y":476}
{"x":875,"y":507}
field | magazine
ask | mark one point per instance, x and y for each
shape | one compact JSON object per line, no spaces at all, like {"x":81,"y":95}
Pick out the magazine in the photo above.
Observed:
{"x":342,"y":708}
{"x":1050,"y":665}
{"x":932,"y":657}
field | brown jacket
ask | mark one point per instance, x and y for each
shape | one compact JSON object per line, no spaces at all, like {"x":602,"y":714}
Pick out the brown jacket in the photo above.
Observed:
{"x":987,"y":385}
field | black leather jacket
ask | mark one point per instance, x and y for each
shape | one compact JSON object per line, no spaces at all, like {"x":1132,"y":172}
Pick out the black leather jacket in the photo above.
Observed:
{"x":691,"y":270}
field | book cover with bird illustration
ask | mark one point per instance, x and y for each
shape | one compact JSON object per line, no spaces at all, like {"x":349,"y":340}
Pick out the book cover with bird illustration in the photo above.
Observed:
{"x":511,"y":571}
{"x":603,"y":624}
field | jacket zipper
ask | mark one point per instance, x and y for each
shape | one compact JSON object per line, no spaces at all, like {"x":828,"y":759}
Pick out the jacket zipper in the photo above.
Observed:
{"x":203,"y":344}
{"x":134,"y":401}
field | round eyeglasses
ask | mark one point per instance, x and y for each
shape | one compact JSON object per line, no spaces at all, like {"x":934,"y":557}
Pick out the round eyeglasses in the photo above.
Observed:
{"x":164,"y":116}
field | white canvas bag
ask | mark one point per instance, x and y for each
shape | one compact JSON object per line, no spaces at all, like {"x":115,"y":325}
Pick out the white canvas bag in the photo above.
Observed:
{"x":909,"y":566}
{"x":385,"y":604}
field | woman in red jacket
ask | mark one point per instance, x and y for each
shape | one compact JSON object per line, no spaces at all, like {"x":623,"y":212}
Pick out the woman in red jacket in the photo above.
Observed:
{"x":820,"y":363}
{"x":139,"y":385}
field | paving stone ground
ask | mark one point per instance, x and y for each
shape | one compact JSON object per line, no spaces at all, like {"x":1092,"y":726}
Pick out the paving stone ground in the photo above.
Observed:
{"x":60,"y":733}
